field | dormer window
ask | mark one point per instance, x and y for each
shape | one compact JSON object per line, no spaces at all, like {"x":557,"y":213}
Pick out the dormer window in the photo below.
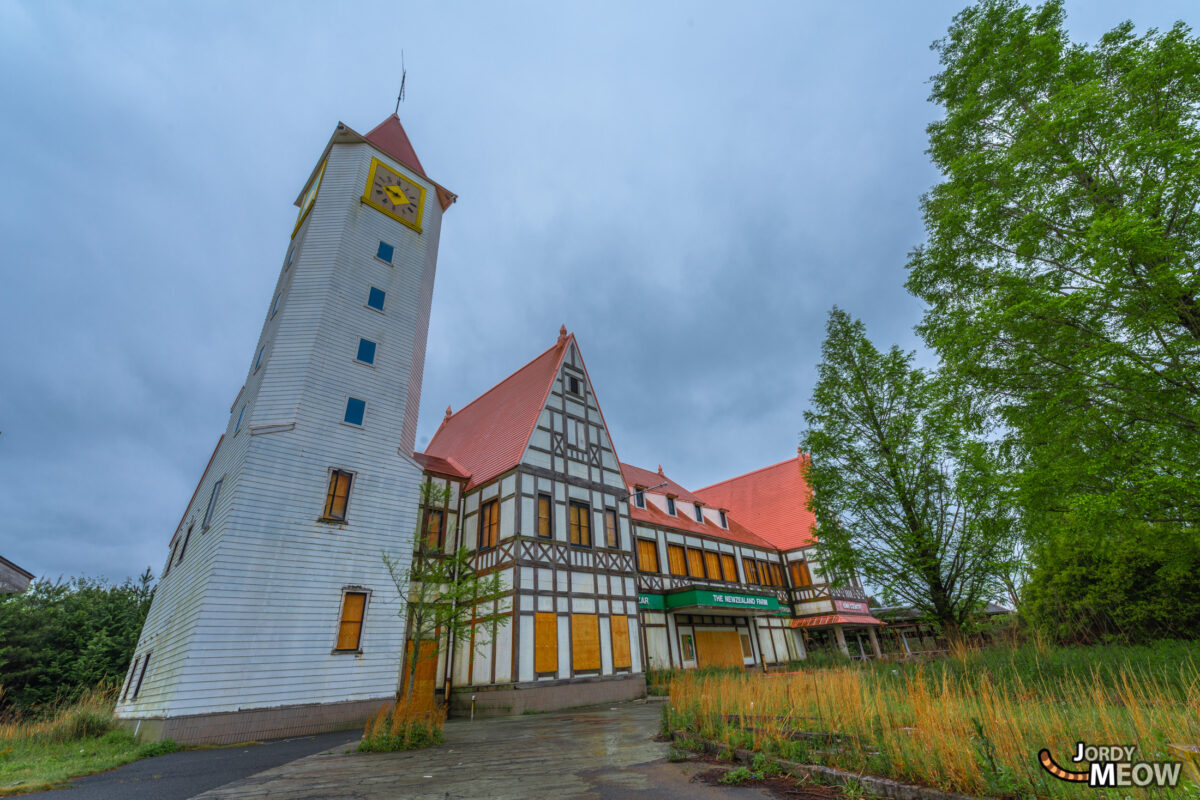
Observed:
{"x":724,"y":522}
{"x":699,"y":513}
{"x":639,"y":497}
{"x":671,"y":506}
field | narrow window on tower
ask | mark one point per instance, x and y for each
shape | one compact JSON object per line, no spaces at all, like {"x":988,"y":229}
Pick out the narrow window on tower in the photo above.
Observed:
{"x":275,"y":304}
{"x":287,"y":262}
{"x":545,"y":527}
{"x":610,"y":528}
{"x":338,"y":496}
{"x":580,"y":524}
{"x":183,"y":549}
{"x":385,"y":252}
{"x":258,"y":358}
{"x":366,"y":351}
{"x":375,"y":298}
{"x":355,"y":410}
{"x":137,"y":688}
{"x":354,"y":606}
{"x":241,"y":414}
{"x":212,"y":504}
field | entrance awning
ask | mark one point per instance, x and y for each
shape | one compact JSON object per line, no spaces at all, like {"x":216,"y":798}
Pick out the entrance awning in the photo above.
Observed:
{"x":826,"y":620}
{"x":706,"y":600}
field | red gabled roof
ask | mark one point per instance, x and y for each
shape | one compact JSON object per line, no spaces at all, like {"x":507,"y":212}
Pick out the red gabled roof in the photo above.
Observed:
{"x":772,"y":502}
{"x":389,"y":136}
{"x":488,"y":436}
{"x":636,"y":476}
{"x":442,"y":466}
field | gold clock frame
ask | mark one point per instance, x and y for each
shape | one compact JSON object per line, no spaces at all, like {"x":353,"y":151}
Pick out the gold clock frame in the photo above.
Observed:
{"x":310,"y":197}
{"x":366,"y":198}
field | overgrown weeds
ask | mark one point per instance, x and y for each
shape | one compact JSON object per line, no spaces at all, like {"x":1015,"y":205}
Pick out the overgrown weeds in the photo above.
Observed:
{"x":971,"y":724}
{"x":402,"y":727}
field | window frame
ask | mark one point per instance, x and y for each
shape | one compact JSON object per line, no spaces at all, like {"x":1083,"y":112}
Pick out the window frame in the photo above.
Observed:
{"x":574,"y":385}
{"x":358,"y":353}
{"x":579,"y":523}
{"x":346,"y":414}
{"x":695,"y":562}
{"x":801,"y":574}
{"x":213,"y":498}
{"x":183,"y":547}
{"x":724,"y":518}
{"x":137,"y":689}
{"x":330,"y":495}
{"x":544,"y":497}
{"x":639,"y":497}
{"x":391,"y":249}
{"x":237,"y":427}
{"x":672,"y":550}
{"x":258,"y":359}
{"x":275,"y":305}
{"x":441,"y":532}
{"x":699,"y":512}
{"x":347,"y":591}
{"x":383,"y":298}
{"x":750,"y":570}
{"x":489,"y":509}
{"x":612,"y":529}
{"x":653,"y":548}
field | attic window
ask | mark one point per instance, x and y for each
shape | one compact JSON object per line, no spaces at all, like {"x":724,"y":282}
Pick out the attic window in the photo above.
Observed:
{"x":724,"y":522}
{"x":639,"y":497}
{"x":699,"y":513}
{"x":573,"y":385}
{"x":671,"y":506}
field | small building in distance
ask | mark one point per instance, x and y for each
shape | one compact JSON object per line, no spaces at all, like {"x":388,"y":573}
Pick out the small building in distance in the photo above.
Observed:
{"x":13,"y":579}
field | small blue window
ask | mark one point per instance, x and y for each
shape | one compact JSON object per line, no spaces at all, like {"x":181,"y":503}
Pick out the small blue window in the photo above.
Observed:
{"x":258,"y":359}
{"x":386,"y":251}
{"x":355,"y":409}
{"x":287,"y":262}
{"x":275,"y":305}
{"x":241,"y":414}
{"x":375,"y":298}
{"x":366,"y":351}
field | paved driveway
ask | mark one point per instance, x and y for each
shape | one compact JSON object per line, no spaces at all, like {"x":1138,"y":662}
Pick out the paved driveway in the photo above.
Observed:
{"x":606,"y":753}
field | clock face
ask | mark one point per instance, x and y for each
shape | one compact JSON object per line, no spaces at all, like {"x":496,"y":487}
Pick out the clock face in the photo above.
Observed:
{"x":395,"y":195}
{"x":309,"y":197}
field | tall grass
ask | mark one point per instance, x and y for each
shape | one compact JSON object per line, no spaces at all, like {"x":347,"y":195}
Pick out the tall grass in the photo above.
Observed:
{"x":90,"y":715}
{"x":962,"y":726}
{"x":403,"y":727}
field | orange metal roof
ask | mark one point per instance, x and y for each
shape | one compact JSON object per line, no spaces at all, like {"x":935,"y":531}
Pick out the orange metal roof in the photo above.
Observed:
{"x":489,"y":435}
{"x":834,"y":619}
{"x":442,"y":466}
{"x":684,"y":522}
{"x":772,"y":502}
{"x":389,"y":136}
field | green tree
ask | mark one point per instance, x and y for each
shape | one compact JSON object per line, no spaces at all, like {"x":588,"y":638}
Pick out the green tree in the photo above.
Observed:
{"x":57,"y":640}
{"x":443,"y":599}
{"x":901,"y":491}
{"x":1061,"y":262}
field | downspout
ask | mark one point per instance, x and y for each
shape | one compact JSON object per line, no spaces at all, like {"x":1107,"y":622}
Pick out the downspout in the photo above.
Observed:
{"x":449,"y":674}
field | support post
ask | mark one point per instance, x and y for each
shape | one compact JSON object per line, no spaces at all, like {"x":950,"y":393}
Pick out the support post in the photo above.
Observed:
{"x":841,"y":640}
{"x":874,"y":642}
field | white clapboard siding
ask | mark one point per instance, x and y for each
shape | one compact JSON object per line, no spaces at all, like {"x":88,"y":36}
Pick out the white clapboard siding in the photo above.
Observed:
{"x":249,"y":619}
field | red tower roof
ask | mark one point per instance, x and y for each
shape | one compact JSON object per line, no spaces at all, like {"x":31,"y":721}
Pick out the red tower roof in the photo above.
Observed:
{"x":389,"y":136}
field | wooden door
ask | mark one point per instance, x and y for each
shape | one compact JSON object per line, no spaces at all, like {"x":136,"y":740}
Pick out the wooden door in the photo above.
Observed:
{"x":425,"y":679}
{"x":718,"y":648}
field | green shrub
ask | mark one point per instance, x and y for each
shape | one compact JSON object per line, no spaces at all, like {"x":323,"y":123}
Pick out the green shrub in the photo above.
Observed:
{"x":153,"y":749}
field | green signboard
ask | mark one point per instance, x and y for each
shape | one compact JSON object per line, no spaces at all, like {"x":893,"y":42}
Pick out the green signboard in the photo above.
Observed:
{"x":707,"y":598}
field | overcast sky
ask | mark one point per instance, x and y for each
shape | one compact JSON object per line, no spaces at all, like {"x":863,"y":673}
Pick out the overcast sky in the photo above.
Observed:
{"x":689,"y":188}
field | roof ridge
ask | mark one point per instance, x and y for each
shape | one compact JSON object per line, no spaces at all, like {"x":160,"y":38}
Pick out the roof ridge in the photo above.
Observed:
{"x":795,"y":458}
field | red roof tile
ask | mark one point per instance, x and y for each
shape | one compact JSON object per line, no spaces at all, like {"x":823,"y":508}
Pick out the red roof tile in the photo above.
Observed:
{"x":772,"y":502}
{"x":442,"y":466}
{"x":489,"y":435}
{"x":389,"y":136}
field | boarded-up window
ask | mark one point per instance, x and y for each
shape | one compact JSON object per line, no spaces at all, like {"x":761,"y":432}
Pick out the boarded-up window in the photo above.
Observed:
{"x":585,"y":642}
{"x":489,"y":524}
{"x":728,"y":568}
{"x":183,"y":548}
{"x":212,"y":503}
{"x":800,"y":574}
{"x":610,"y":528}
{"x":545,"y":642}
{"x":712,"y":565}
{"x":695,"y":561}
{"x":133,"y":671}
{"x":764,"y":573}
{"x":350,"y":629}
{"x":747,"y":647}
{"x":434,"y":518}
{"x":751,"y":570}
{"x":338,"y":496}
{"x":137,"y":687}
{"x":777,"y":574}
{"x":676,"y":560}
{"x":544,"y":528}
{"x":580,"y":524}
{"x":647,"y":555}
{"x":619,"y":625}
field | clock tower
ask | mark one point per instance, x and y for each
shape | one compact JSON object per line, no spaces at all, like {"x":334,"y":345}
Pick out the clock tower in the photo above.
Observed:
{"x":274,"y":613}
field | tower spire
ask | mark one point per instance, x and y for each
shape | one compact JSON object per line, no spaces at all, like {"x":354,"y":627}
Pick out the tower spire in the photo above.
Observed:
{"x":403,"y":75}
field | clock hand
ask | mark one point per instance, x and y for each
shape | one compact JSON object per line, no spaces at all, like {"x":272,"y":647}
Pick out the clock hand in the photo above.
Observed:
{"x":397,"y":196}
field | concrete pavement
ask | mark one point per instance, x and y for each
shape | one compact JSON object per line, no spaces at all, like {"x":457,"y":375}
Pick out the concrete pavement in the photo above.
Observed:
{"x":606,"y":753}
